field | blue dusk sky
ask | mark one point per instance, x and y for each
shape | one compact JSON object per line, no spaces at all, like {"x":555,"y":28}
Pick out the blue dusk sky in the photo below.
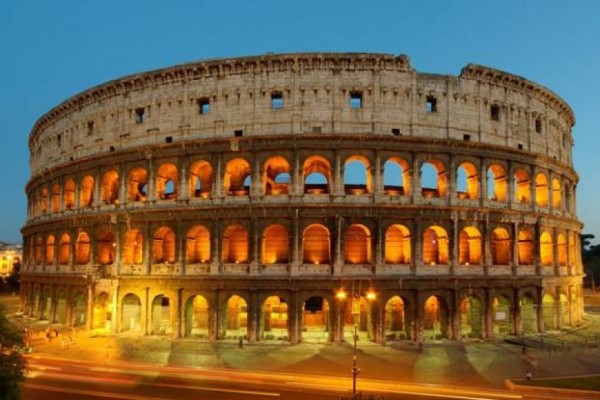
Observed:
{"x":52,"y":50}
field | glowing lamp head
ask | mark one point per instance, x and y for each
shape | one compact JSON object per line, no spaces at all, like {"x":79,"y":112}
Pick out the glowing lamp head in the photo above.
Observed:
{"x":371,"y":295}
{"x":340,"y":294}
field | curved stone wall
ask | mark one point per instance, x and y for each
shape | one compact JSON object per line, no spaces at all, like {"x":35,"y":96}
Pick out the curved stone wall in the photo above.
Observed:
{"x":291,"y":196}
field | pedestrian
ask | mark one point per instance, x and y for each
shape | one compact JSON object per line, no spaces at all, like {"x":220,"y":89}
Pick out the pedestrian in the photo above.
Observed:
{"x":528,"y":375}
{"x":241,"y":343}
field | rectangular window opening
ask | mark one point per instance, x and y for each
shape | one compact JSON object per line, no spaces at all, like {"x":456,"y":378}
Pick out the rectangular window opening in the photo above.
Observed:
{"x":238,"y":133}
{"x":276,"y":100}
{"x":431,"y":105}
{"x":396,"y":132}
{"x":139,"y":115}
{"x":203,"y":106}
{"x":112,"y":148}
{"x":495,"y":112}
{"x":58,"y":140}
{"x":520,"y":146}
{"x":356,"y":100}
{"x":467,"y":138}
{"x":169,"y":139}
{"x":538,"y":125}
{"x":90,"y":128}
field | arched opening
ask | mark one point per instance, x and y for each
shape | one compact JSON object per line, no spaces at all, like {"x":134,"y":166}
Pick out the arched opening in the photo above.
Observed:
{"x":161,"y":316}
{"x":467,"y":181}
{"x":525,"y":247}
{"x":44,"y":201}
{"x":556,"y":194}
{"x":196,"y":317}
{"x":235,"y":244}
{"x":549,"y":312}
{"x":471,"y":318}
{"x":316,"y":245}
{"x":50,"y":243}
{"x":396,"y":177}
{"x":201,"y":176}
{"x":131,"y":313}
{"x":46,"y":307}
{"x":496,"y":178}
{"x":561,"y":242}
{"x":61,"y":307}
{"x":82,"y":249}
{"x":110,"y":187}
{"x":567,"y":198}
{"x":435,"y":319}
{"x":315,"y":320}
{"x":528,"y":314}
{"x":236,"y":172}
{"x":500,"y":247}
{"x":274,"y":323}
{"x":234,"y":324}
{"x":39,"y":249}
{"x":55,"y":197}
{"x":546,"y":250}
{"x":435,"y":245}
{"x":275,"y":245}
{"x":397,"y":245}
{"x":357,"y":176}
{"x":316,"y":175}
{"x":132,"y":247}
{"x":101,"y":313}
{"x":522,"y":187}
{"x":469,"y":246}
{"x":163,"y":246}
{"x":502,"y":321}
{"x":357,"y":245}
{"x":197,"y":245}
{"x":397,"y":324}
{"x":79,"y":316}
{"x":357,"y":313}
{"x":434,"y":182}
{"x":563,"y":310}
{"x":69,"y":194}
{"x":541,"y":190}
{"x":167,"y":182}
{"x":64,"y":251}
{"x":137,"y":184}
{"x":86,"y":191}
{"x":106,"y":247}
{"x":276,"y":176}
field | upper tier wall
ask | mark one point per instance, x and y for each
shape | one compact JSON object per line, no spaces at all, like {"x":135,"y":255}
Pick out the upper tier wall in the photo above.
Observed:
{"x":296,"y":93}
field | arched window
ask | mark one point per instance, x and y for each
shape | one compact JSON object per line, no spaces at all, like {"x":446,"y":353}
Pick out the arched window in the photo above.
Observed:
{"x":50,"y":250}
{"x":397,"y":245}
{"x":236,"y":172}
{"x":316,"y":245}
{"x":469,"y":246}
{"x":396,"y":177}
{"x":82,"y":249}
{"x":546,"y":250}
{"x":525,"y":247}
{"x":44,"y":200}
{"x":64,"y":251}
{"x":133,"y":247}
{"x":163,"y":246}
{"x":137,"y":184}
{"x":69,"y":194}
{"x":86,"y":191}
{"x":235,"y":244}
{"x":166,"y":182}
{"x":110,"y":187}
{"x":276,"y":176}
{"x":275,"y":245}
{"x":316,"y":175}
{"x":500,"y":247}
{"x":55,"y":197}
{"x":201,"y":173}
{"x":434,"y":182}
{"x":435,"y":245}
{"x":357,"y":245}
{"x":561,"y":242}
{"x":468,"y":181}
{"x":522,"y":187}
{"x":198,"y":244}
{"x":556,"y":194}
{"x":39,"y":249}
{"x":357,"y":176}
{"x":105,"y":247}
{"x":496,"y":177}
{"x":541,"y":190}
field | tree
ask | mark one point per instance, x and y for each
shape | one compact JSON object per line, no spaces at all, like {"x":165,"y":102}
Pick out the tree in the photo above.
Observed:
{"x":591,"y":259}
{"x":12,"y":363}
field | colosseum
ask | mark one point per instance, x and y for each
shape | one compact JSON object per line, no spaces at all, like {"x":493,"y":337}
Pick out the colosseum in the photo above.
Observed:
{"x":298,"y":197}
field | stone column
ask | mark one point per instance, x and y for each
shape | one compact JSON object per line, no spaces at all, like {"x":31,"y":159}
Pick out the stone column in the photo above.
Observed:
{"x":416,"y":180}
{"x":254,"y":259}
{"x":339,"y":254}
{"x":148,"y":239}
{"x":90,"y":306}
{"x":377,"y":175}
{"x":183,"y":193}
{"x":116,"y":311}
{"x":515,"y":249}
{"x":253,"y":317}
{"x":296,"y":238}
{"x":510,"y":182}
{"x":218,"y":181}
{"x":516,"y":310}
{"x":483,"y":179}
{"x":452,"y":190}
{"x":151,"y":195}
{"x":256,"y":185}
{"x":122,"y":195}
{"x":181,"y":250}
{"x":417,"y":246}
{"x":540,"y":308}
{"x":377,"y":246}
{"x":96,"y":201}
{"x":489,"y":313}
{"x":338,"y":180}
{"x":455,"y":315}
{"x":215,"y":247}
{"x":297,"y":183}
{"x":118,"y":247}
{"x":454,"y":240}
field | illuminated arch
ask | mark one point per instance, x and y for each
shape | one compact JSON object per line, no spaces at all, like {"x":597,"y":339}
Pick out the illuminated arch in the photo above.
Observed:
{"x":397,"y":322}
{"x":133,"y":247}
{"x":198,"y":244}
{"x":561,"y":243}
{"x":69,"y":194}
{"x":497,"y":187}
{"x":105,"y":247}
{"x":435,"y":245}
{"x":357,"y":245}
{"x":64,"y":250}
{"x":396,"y":177}
{"x":397,"y":245}
{"x":137,"y":184}
{"x":167,"y":181}
{"x":556,"y":194}
{"x":44,"y":200}
{"x":235,"y":244}
{"x":316,"y":245}
{"x":275,"y":245}
{"x":469,"y":246}
{"x":55,"y":198}
{"x":82,"y":248}
{"x":276,"y":176}
{"x":500,"y":247}
{"x":434,"y":179}
{"x":39,"y":249}
{"x":86,"y":191}
{"x":131,"y":313}
{"x":316,"y":175}
{"x":163,"y":245}
{"x":274,"y":319}
{"x":522,"y":186}
{"x":236,"y":172}
{"x":50,"y":243}
{"x":467,"y":181}
{"x":526,"y":247}
{"x":541,"y":190}
{"x":201,"y":176}
{"x":197,"y":317}
{"x":546,"y":249}
{"x":235,"y":321}
{"x":357,"y":175}
{"x":110,"y":187}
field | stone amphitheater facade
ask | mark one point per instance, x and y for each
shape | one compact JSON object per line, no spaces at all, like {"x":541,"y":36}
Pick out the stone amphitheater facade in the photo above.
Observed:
{"x":292,"y":197}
